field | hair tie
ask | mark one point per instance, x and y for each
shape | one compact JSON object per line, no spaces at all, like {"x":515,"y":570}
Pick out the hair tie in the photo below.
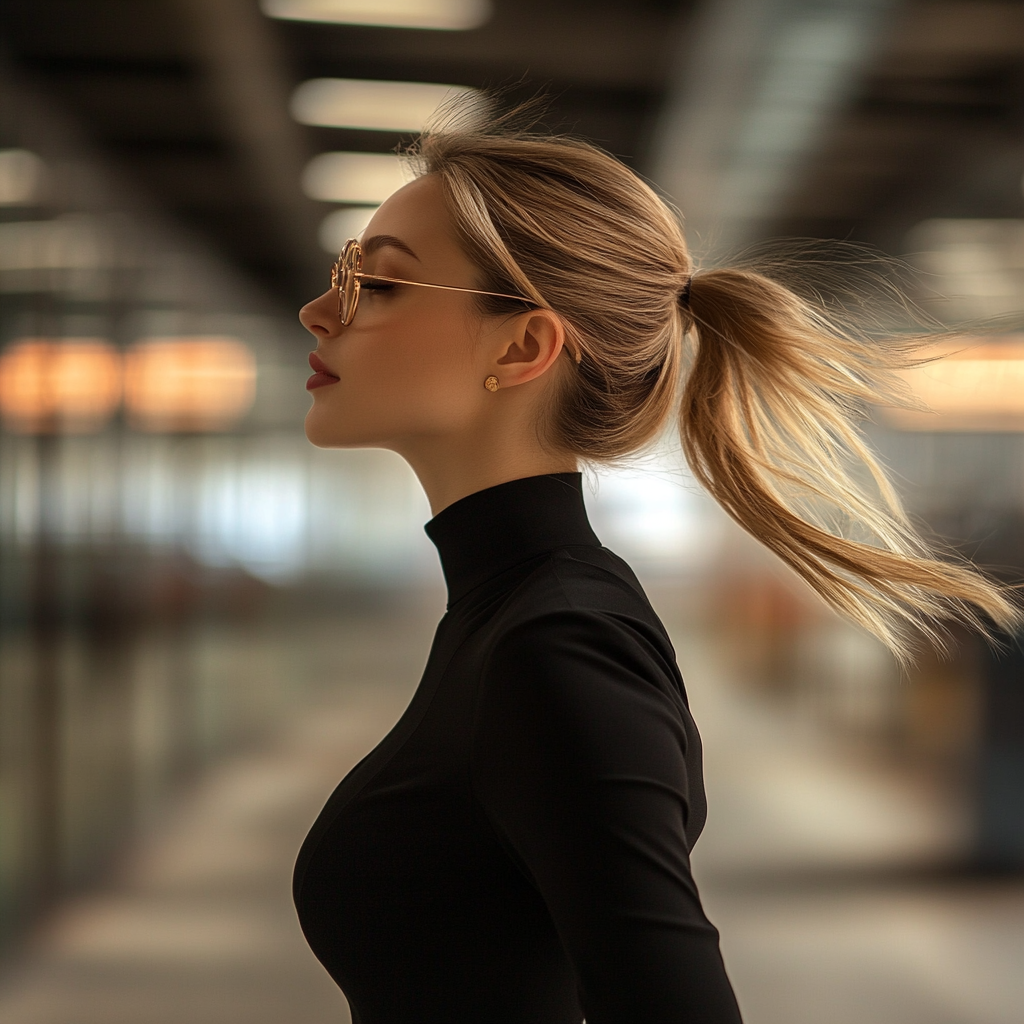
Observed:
{"x":684,"y":295}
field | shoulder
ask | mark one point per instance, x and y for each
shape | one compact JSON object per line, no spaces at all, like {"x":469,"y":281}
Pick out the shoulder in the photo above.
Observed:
{"x":597,"y":678}
{"x":587,"y":662}
{"x":582,"y":606}
{"x":580,"y":688}
{"x":595,"y":584}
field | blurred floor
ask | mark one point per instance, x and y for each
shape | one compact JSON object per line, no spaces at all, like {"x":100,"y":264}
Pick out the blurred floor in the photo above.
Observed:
{"x":197,"y":925}
{"x":823,"y":874}
{"x":836,"y":884}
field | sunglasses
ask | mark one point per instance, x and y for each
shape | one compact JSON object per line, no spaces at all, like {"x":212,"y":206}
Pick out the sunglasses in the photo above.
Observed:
{"x":347,"y":274}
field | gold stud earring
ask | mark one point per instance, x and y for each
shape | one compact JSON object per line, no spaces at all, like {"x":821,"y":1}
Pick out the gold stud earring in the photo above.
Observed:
{"x":491,"y":383}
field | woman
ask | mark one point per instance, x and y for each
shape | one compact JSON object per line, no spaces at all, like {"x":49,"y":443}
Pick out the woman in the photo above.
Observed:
{"x":517,"y":848}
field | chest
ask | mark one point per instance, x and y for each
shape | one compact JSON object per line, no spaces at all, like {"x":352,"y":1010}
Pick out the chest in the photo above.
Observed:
{"x":402,"y":862}
{"x":406,"y":813}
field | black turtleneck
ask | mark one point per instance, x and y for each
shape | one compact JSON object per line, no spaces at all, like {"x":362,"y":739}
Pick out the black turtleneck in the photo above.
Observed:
{"x":517,"y":847}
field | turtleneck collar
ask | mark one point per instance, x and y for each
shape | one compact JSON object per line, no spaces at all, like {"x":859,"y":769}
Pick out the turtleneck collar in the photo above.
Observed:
{"x":491,"y":531}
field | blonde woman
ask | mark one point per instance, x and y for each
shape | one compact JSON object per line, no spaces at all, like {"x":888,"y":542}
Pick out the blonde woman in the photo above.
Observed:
{"x":517,"y":848}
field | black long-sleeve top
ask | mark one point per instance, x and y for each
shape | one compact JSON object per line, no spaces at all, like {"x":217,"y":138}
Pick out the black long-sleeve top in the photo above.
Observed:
{"x":516,"y":849}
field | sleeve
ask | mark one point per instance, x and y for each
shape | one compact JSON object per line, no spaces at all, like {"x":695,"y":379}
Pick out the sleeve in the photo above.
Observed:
{"x":579,"y":763}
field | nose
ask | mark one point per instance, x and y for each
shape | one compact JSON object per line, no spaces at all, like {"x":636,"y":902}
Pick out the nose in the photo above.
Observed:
{"x":320,"y":317}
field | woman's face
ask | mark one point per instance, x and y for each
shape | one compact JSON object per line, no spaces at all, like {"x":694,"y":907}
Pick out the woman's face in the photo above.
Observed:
{"x":411,"y":364}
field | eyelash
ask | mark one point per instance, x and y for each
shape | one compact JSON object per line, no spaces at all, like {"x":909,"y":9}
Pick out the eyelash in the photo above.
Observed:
{"x":376,"y":286}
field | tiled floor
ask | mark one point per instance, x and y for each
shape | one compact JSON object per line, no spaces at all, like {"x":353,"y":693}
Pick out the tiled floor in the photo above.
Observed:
{"x":803,"y":867}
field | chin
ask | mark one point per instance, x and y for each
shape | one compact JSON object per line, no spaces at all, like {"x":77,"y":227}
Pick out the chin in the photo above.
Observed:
{"x":325,"y":431}
{"x":321,"y":431}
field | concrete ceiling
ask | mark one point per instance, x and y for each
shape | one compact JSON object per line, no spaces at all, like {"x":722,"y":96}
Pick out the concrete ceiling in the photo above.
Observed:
{"x":849,"y":118}
{"x":844,"y":118}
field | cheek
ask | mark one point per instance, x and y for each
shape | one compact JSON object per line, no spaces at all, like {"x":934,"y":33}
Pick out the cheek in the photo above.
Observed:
{"x":405,"y":381}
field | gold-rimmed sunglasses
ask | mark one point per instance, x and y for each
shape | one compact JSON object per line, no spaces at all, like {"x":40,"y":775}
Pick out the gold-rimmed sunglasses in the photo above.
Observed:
{"x":347,"y":274}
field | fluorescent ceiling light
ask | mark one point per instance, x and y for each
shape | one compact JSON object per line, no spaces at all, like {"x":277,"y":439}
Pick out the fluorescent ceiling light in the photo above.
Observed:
{"x":980,"y":388}
{"x":338,"y":227}
{"x":449,"y":15}
{"x":21,"y":177}
{"x":352,"y":177}
{"x":381,"y":106}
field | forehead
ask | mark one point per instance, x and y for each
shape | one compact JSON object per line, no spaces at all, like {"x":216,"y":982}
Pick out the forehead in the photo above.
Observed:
{"x":417,"y":215}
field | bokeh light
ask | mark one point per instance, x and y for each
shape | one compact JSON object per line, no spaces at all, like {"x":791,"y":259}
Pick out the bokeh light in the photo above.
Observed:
{"x":353,"y":177}
{"x":341,"y":225}
{"x":71,"y":384}
{"x":22,"y":174}
{"x":188,"y":383}
{"x":978,"y":388}
{"x":376,"y":106}
{"x":447,"y":15}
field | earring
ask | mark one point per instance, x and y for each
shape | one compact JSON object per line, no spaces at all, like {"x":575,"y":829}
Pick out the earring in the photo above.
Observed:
{"x":491,"y":383}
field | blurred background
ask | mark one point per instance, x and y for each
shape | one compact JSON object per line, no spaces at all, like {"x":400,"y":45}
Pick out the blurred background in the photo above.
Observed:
{"x":204,"y":621}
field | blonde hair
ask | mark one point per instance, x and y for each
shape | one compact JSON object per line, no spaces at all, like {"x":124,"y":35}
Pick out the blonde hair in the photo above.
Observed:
{"x":768,"y":385}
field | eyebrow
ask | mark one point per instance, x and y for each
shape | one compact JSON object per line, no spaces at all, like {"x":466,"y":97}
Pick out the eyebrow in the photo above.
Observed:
{"x":372,"y":244}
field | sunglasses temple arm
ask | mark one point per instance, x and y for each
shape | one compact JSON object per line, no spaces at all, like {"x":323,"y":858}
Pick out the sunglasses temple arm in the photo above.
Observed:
{"x":577,"y":356}
{"x":443,"y":287}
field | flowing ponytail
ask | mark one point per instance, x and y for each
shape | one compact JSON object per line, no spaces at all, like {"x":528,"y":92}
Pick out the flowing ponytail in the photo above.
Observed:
{"x":769,"y":407}
{"x":768,"y":422}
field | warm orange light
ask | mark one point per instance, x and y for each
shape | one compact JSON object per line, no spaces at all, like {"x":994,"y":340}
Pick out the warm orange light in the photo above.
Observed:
{"x":71,"y":384}
{"x":188,"y":383}
{"x":979,"y":388}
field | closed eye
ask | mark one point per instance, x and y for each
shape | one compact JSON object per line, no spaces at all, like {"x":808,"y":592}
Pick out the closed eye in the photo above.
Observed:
{"x":375,"y":284}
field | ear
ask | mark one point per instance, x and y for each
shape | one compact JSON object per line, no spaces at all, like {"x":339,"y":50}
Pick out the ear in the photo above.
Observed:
{"x":537,"y":338}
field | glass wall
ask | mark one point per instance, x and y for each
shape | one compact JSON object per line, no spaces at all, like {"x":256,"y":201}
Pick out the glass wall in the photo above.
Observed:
{"x":158,"y":502}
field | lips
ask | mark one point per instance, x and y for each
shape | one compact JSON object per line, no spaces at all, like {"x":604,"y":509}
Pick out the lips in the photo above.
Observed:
{"x":321,"y":375}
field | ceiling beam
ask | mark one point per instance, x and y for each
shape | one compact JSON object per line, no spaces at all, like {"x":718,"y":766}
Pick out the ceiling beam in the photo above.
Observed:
{"x":237,"y":50}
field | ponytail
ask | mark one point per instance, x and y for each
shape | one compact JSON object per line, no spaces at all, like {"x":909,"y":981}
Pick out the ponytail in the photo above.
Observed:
{"x":768,"y":422}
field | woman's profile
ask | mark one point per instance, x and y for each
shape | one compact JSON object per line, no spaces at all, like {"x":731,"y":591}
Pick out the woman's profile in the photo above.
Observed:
{"x":517,"y":847}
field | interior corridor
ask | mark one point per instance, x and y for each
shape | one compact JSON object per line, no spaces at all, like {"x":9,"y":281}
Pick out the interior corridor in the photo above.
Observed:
{"x":827,"y":879}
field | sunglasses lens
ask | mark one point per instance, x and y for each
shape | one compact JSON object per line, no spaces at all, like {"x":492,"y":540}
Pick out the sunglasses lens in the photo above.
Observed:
{"x":348,"y":295}
{"x":347,"y":282}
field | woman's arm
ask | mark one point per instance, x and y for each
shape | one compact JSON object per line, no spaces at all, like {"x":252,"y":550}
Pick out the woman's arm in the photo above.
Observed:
{"x":579,"y":762}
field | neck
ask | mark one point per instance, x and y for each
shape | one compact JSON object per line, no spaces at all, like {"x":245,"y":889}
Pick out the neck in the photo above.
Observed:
{"x":489,"y":532}
{"x":450,"y":471}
